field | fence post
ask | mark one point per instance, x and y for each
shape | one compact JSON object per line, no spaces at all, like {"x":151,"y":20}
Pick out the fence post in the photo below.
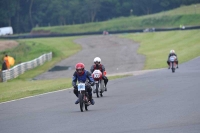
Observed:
{"x":1,"y":78}
{"x":21,"y":68}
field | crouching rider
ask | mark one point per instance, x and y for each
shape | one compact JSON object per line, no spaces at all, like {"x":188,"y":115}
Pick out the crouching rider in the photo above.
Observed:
{"x":82,"y":75}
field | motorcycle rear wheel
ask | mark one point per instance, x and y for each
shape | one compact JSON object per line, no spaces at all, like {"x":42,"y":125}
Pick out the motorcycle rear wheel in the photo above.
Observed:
{"x":86,"y":107}
{"x":173,"y":69}
{"x":97,"y":91}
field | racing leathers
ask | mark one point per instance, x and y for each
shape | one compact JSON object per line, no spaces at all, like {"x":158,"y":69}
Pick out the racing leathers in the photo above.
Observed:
{"x":85,"y":78}
{"x":102,"y":69}
{"x":168,"y":61}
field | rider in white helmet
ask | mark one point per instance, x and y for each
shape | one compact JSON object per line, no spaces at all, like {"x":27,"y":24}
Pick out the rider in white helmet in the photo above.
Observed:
{"x":99,"y":66}
{"x":172,"y":53}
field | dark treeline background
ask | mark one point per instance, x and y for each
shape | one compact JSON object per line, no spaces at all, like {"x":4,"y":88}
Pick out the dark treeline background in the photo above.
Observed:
{"x":23,"y":15}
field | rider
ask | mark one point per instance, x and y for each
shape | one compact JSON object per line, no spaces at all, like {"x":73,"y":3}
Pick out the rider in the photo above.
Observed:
{"x":99,"y":66}
{"x":82,"y":75}
{"x":172,"y":53}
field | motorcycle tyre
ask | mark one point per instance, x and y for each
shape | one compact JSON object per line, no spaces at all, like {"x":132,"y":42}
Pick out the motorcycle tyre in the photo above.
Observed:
{"x":81,"y":102}
{"x":97,"y":92}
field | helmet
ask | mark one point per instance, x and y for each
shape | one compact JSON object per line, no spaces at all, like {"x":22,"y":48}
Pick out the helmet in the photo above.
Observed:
{"x":97,"y":59}
{"x":172,"y":51}
{"x":80,"y":68}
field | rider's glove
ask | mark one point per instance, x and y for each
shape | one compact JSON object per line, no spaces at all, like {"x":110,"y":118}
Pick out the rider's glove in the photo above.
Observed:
{"x":75,"y":87}
{"x":88,"y":85}
{"x":92,"y":83}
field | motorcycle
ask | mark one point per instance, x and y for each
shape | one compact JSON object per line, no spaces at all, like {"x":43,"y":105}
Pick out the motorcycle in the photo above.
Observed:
{"x":172,"y":60}
{"x":83,"y":97}
{"x":99,"y":86}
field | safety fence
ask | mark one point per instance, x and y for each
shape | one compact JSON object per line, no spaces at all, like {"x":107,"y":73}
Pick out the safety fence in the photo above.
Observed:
{"x":98,"y":33}
{"x":21,"y":68}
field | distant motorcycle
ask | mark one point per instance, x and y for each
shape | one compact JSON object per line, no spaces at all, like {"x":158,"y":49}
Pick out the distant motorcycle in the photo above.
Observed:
{"x":99,"y":86}
{"x":83,"y":97}
{"x":172,"y":60}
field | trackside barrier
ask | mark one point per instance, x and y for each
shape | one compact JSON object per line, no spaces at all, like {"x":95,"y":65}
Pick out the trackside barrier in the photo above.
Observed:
{"x":97,"y":33}
{"x":21,"y":68}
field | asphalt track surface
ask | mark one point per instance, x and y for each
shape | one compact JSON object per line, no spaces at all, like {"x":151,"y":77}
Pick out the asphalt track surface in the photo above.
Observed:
{"x":154,"y":102}
{"x":117,"y":54}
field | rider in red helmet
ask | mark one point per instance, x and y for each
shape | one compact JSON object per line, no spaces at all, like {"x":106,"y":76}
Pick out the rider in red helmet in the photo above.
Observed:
{"x":82,"y":75}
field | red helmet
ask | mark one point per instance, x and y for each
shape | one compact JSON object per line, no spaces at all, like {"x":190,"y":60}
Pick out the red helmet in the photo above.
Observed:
{"x":80,"y":68}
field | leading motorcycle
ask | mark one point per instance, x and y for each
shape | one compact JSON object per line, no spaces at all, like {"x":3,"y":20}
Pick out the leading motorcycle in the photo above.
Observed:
{"x":83,"y":97}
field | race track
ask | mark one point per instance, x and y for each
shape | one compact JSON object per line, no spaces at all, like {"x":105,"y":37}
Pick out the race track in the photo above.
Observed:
{"x":117,"y":54}
{"x":155,"y":102}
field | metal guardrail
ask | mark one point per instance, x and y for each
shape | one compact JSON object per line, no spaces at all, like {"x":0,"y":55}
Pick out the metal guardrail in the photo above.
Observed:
{"x":96,"y":33}
{"x":21,"y":68}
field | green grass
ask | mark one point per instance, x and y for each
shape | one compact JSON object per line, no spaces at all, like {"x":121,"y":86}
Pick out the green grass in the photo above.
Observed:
{"x":156,"y":46}
{"x":118,"y":76}
{"x":19,"y":89}
{"x":192,"y":9}
{"x":29,"y":49}
{"x":186,"y":15}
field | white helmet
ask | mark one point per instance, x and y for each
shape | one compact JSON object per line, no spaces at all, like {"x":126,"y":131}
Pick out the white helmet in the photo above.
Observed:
{"x":97,"y":59}
{"x":172,"y":51}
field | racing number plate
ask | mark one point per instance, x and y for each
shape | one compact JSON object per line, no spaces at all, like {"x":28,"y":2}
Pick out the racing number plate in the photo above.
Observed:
{"x":81,"y":87}
{"x":96,"y":75}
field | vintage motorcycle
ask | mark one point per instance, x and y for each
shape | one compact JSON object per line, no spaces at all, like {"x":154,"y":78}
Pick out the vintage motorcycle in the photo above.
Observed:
{"x":83,"y":97}
{"x":99,"y":86}
{"x":172,"y":60}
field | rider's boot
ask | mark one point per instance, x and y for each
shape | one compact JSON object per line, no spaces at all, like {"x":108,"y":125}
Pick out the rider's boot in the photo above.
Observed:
{"x":101,"y":94}
{"x":77,"y":101}
{"x":92,"y":101}
{"x":105,"y":82}
{"x":177,"y":64}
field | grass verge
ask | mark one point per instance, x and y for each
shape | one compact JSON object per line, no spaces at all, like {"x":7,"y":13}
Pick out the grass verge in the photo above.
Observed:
{"x":20,"y":89}
{"x":185,"y":15}
{"x":156,"y":46}
{"x":23,"y":85}
{"x":29,"y":49}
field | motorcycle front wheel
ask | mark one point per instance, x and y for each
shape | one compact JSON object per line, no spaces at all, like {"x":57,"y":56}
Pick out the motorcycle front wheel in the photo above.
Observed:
{"x":81,"y":102}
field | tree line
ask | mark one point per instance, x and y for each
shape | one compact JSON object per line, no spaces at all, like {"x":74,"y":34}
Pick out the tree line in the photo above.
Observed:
{"x":23,"y":15}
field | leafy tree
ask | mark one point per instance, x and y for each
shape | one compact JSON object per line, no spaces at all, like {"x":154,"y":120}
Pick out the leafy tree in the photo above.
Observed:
{"x":7,"y":11}
{"x":23,"y":15}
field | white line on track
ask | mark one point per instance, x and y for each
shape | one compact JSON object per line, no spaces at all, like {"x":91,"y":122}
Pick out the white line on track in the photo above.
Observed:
{"x":125,"y":73}
{"x":35,"y":96}
{"x":132,"y":73}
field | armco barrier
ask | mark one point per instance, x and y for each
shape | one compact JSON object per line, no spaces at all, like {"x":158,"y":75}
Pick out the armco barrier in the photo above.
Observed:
{"x":21,"y":68}
{"x":97,"y":33}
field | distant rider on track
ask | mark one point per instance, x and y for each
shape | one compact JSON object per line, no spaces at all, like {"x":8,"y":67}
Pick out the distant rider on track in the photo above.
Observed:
{"x":172,"y":53}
